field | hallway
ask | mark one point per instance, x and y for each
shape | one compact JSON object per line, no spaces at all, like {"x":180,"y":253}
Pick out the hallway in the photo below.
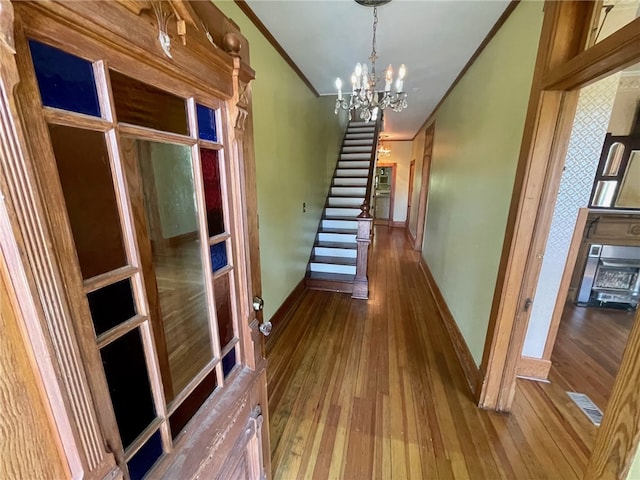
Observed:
{"x":373,"y":389}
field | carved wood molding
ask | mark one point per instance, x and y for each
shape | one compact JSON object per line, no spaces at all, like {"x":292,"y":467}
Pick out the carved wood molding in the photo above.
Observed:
{"x":48,"y":322}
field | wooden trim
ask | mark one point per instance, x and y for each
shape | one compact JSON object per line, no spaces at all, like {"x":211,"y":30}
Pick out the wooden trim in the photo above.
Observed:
{"x":42,"y":295}
{"x":412,"y":174}
{"x":246,"y":9}
{"x":395,"y":224}
{"x":563,"y":290}
{"x":468,"y":364}
{"x":424,"y":186}
{"x":492,"y":33}
{"x":410,"y":238}
{"x":619,"y":434}
{"x":291,"y":301}
{"x":614,"y":52}
{"x":507,"y":327}
{"x":392,"y":193}
{"x":536,"y":368}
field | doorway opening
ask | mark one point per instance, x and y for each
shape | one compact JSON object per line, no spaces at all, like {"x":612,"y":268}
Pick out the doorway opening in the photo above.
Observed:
{"x":384,"y":193}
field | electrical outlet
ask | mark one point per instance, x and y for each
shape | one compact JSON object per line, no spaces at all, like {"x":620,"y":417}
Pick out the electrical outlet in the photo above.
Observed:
{"x":304,"y":207}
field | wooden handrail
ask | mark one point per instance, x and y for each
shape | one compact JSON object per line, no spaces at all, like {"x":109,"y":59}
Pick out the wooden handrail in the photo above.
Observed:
{"x":365,"y":222}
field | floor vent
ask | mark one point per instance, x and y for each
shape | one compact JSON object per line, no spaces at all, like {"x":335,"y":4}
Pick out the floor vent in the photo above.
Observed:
{"x":587,"y":406}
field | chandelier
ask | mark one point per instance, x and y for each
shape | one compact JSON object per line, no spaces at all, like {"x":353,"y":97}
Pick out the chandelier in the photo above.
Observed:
{"x":383,"y":150}
{"x":365,"y":98}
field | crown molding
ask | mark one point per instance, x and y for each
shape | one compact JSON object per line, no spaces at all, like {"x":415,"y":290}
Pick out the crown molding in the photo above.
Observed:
{"x":246,"y":9}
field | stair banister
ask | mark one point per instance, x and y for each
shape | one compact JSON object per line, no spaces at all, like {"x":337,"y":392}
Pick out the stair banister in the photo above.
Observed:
{"x":365,"y":222}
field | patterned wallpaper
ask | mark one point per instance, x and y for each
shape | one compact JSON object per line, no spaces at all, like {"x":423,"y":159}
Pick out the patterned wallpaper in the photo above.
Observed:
{"x":587,"y":136}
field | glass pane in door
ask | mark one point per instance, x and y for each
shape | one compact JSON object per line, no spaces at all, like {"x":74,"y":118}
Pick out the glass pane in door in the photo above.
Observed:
{"x":169,"y":238}
{"x":89,"y":195}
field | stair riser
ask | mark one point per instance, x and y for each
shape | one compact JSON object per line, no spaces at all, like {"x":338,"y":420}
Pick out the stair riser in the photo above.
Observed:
{"x":337,"y":237}
{"x":369,"y":130}
{"x":358,"y":142}
{"x":343,"y":212}
{"x":334,"y":252}
{"x":359,"y":136}
{"x":361,"y":164}
{"x":363,"y":149}
{"x":351,"y":191}
{"x":331,"y":268}
{"x":360,"y":172}
{"x":337,"y":181}
{"x":346,"y":224}
{"x":355,"y":156}
{"x":345,"y":202}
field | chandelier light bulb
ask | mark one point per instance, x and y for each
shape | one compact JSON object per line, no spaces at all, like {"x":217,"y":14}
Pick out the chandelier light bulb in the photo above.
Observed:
{"x":402,"y":72}
{"x":358,"y":69}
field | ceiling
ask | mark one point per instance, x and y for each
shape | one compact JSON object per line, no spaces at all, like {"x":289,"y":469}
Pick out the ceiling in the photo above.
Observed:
{"x":434,"y":39}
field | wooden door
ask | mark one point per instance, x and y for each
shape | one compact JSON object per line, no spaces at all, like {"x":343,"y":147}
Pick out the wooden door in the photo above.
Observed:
{"x":424,"y":187}
{"x":412,"y":171}
{"x":145,"y":174}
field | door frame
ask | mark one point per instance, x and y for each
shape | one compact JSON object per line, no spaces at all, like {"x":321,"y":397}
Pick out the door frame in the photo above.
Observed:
{"x":394,"y":167}
{"x":427,"y":155}
{"x":563,"y":65}
{"x":412,"y":173}
{"x":35,"y":263}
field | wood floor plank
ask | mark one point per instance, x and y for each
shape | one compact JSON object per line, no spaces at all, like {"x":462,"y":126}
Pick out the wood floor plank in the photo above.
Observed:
{"x":373,"y":390}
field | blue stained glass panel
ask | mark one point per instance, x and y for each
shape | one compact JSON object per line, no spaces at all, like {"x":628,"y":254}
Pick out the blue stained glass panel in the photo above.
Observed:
{"x":144,"y":459}
{"x":125,"y":367}
{"x":228,"y":362}
{"x":111,"y":305}
{"x":65,"y":81}
{"x":218,"y":256}
{"x":206,"y":123}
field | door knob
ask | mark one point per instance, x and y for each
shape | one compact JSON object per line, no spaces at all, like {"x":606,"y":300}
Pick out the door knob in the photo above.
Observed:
{"x":265,"y":328}
{"x":258,"y":304}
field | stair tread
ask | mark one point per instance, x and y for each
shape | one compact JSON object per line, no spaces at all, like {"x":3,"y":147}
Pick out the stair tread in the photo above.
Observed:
{"x":342,"y":245}
{"x":332,"y":277}
{"x":340,"y":217}
{"x":334,"y":260}
{"x":342,"y":195}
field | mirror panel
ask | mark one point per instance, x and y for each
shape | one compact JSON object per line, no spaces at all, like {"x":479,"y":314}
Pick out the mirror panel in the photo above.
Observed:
{"x":603,"y":195}
{"x":169,"y":239}
{"x":629,"y":194}
{"x":614,"y":158}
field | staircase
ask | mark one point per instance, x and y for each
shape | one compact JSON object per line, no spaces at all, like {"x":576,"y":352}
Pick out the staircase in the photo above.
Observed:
{"x":334,"y":259}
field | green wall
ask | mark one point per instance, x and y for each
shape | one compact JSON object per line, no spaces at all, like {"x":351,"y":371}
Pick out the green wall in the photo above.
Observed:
{"x":172,"y":173}
{"x":297,"y":139}
{"x":634,"y":472}
{"x":478,"y":132}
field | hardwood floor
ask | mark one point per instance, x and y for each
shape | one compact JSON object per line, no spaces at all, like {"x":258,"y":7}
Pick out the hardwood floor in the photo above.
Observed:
{"x":588,"y":350}
{"x":183,"y":307}
{"x":373,"y":390}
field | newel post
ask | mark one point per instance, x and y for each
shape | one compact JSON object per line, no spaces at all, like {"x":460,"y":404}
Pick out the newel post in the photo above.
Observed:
{"x":363,"y":239}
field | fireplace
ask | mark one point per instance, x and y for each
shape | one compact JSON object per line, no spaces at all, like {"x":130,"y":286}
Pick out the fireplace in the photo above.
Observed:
{"x":611,"y":277}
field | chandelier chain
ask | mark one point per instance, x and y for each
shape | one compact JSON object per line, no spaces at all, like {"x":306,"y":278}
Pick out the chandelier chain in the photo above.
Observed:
{"x":374,"y":54}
